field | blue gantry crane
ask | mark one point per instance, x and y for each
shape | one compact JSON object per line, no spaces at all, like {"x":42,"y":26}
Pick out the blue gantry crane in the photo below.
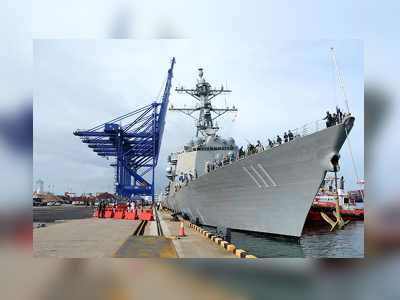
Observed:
{"x":135,"y":145}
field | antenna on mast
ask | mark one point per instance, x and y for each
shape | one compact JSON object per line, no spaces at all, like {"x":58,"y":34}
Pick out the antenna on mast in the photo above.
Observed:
{"x":203,"y":92}
{"x":340,"y":80}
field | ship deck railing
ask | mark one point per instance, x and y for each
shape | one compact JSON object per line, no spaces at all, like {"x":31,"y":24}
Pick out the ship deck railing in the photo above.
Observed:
{"x":305,"y":130}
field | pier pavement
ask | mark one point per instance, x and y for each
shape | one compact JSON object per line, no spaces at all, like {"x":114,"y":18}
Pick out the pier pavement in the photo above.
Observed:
{"x":95,"y":238}
{"x":194,"y":244}
{"x":85,"y":238}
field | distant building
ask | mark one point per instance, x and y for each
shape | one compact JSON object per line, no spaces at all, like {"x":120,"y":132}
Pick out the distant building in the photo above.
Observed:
{"x":40,"y":190}
{"x":39,"y":187}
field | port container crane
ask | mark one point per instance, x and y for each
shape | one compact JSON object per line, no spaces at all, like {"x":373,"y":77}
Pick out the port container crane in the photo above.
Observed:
{"x":136,"y":145}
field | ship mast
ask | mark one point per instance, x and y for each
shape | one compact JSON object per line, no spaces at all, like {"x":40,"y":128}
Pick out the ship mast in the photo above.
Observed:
{"x":204,"y":93}
{"x":340,"y":80}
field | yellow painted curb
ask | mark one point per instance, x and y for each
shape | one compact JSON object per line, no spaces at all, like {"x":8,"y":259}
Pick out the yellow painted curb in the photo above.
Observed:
{"x":230,"y":247}
{"x":223,"y":243}
{"x":217,"y":239}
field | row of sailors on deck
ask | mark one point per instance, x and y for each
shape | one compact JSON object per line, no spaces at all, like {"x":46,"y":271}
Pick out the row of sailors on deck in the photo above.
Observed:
{"x":184,"y":179}
{"x":286,"y":136}
{"x":334,"y":119}
{"x":259,"y":147}
{"x":218,"y":164}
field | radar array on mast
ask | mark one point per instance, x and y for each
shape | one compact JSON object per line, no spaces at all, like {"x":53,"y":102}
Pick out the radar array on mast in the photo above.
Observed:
{"x":204,"y":93}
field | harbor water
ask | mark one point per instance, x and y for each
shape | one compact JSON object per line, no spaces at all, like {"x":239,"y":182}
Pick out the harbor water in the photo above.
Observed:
{"x":316,"y":242}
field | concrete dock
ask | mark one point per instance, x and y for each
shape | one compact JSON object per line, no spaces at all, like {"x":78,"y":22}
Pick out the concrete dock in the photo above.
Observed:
{"x":103,"y":237}
{"x":85,"y":238}
{"x":194,"y":244}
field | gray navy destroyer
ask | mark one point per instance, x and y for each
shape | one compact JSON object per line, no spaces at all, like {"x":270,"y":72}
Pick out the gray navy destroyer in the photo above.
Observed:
{"x":267,"y":191}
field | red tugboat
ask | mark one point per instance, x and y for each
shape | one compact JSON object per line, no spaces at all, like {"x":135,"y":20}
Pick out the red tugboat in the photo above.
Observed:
{"x":325,"y":202}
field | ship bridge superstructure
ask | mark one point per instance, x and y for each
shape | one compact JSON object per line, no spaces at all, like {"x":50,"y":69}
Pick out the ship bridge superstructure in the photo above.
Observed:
{"x":207,"y":148}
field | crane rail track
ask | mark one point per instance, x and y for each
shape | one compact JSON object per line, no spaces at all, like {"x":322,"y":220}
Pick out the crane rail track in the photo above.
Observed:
{"x":159,"y":228}
{"x":141,"y":228}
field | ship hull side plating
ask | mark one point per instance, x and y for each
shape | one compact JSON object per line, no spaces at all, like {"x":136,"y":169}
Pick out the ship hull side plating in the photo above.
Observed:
{"x":269,"y":192}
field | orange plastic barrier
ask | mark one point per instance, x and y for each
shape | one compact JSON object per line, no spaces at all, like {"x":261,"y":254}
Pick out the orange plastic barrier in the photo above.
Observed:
{"x":109,"y":213}
{"x":96,"y":213}
{"x":146,"y":215}
{"x":131,"y":214}
{"x":119,"y":213}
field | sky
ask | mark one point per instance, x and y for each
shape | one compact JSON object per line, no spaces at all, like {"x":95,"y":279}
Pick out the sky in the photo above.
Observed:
{"x":276,"y":85}
{"x":24,"y":22}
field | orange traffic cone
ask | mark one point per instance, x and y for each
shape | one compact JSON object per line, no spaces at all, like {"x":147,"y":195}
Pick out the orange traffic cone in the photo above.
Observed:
{"x":182,"y":232}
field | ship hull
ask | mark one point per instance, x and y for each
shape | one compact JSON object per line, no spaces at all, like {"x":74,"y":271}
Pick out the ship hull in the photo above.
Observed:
{"x":353,"y":215}
{"x":269,"y":192}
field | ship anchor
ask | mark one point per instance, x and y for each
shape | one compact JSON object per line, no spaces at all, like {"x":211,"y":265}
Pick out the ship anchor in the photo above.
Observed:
{"x":339,"y":224}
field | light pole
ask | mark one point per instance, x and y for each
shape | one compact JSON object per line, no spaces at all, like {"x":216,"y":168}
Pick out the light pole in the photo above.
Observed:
{"x":108,"y":189}
{"x":53,"y":189}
